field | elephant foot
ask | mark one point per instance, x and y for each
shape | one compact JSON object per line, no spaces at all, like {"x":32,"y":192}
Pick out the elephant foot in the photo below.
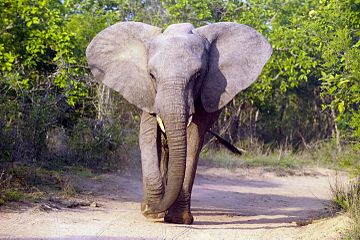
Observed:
{"x":184,"y":217}
{"x":150,"y":215}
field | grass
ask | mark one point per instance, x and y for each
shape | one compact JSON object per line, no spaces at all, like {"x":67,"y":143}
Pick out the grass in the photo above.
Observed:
{"x":14,"y":188}
{"x":14,"y":195}
{"x":281,"y":160}
{"x":84,"y":172}
{"x":354,"y":232}
{"x":282,"y":165}
{"x":68,"y":188}
{"x":33,"y":183}
{"x":346,"y":197}
{"x":272,"y":161}
{"x":21,"y":182}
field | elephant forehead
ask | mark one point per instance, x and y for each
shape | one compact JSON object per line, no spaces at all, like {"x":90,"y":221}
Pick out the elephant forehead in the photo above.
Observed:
{"x":174,"y":64}
{"x":183,"y":45}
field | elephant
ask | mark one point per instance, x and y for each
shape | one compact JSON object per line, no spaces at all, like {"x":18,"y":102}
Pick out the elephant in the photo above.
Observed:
{"x":181,"y":78}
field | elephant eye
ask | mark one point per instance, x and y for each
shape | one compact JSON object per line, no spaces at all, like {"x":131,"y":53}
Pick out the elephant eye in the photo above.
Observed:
{"x":196,"y":75}
{"x":153,"y":79}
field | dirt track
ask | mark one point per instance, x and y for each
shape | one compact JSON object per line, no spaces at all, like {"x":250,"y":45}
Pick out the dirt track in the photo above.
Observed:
{"x":241,"y":204}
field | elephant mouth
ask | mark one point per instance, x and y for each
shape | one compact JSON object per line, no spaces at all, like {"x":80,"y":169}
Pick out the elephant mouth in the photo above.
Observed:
{"x":162,"y":126}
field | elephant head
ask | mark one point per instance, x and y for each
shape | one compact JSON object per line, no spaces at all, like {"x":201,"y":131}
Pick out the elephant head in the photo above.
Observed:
{"x":163,"y":73}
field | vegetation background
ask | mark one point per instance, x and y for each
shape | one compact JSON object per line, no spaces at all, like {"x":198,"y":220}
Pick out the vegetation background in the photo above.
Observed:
{"x":305,"y":105}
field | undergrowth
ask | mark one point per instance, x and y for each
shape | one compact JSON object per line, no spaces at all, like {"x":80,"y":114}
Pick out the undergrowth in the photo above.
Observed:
{"x":21,"y":183}
{"x":31,"y":183}
{"x":346,"y":197}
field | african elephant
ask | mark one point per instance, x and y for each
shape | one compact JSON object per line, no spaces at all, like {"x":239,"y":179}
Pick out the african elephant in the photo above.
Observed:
{"x":180,"y":78}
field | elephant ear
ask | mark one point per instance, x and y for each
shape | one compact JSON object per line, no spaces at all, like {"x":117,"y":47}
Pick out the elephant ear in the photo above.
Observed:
{"x":237,"y":55}
{"x":117,"y":57}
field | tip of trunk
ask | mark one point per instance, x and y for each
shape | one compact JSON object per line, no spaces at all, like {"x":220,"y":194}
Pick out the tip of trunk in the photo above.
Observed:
{"x":171,"y":194}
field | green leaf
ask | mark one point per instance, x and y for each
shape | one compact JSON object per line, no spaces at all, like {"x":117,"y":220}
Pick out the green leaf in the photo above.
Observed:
{"x":341,"y":107}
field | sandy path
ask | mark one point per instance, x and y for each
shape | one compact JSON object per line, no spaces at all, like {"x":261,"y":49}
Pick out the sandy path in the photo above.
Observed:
{"x":242,"y":204}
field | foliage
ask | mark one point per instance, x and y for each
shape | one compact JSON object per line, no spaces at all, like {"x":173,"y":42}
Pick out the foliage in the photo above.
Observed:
{"x":341,"y":61}
{"x":44,"y":80}
{"x":43,"y":52}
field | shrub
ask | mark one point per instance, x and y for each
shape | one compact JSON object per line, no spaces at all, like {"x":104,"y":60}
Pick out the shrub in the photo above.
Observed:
{"x":101,"y":145}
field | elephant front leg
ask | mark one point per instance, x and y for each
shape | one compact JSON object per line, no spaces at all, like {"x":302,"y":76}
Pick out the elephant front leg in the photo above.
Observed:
{"x":149,"y":140}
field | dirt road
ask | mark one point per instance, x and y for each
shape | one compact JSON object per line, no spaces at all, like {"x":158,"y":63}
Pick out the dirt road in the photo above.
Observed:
{"x":240,"y":204}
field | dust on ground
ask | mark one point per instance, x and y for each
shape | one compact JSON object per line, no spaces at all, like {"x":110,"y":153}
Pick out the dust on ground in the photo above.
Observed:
{"x":227,"y":204}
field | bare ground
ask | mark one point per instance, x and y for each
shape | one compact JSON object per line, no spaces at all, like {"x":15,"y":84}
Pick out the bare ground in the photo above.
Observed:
{"x":238,"y":204}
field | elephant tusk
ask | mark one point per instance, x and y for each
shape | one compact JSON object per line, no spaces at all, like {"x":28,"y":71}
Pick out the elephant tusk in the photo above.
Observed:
{"x":189,"y":120}
{"x":161,"y":124}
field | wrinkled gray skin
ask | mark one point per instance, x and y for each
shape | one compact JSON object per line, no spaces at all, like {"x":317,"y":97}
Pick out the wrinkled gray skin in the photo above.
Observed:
{"x":183,"y":74}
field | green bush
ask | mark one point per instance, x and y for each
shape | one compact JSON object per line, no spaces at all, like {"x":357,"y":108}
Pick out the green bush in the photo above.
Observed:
{"x":100,"y":145}
{"x":14,"y":195}
{"x":23,"y":129}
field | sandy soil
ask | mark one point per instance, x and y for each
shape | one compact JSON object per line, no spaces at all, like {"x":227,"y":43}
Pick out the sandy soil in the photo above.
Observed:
{"x":239,"y":204}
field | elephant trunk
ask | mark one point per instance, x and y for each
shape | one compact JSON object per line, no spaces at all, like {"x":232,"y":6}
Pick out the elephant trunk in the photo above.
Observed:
{"x":174,"y":114}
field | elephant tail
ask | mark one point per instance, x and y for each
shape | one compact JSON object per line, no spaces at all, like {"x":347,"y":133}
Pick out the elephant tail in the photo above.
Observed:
{"x":227,"y":144}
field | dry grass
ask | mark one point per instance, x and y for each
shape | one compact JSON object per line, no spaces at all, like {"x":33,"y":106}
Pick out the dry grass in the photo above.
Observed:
{"x":346,"y":197}
{"x":31,"y":183}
